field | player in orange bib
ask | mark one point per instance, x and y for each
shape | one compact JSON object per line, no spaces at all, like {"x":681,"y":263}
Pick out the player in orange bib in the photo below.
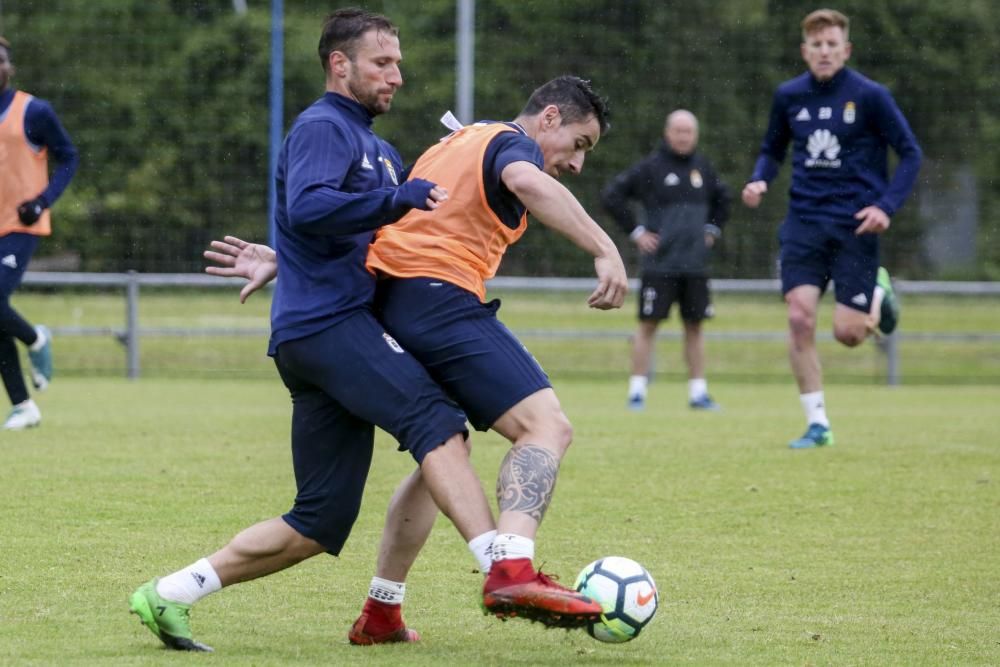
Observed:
{"x":431,"y":298}
{"x":29,"y":132}
{"x":464,"y":244}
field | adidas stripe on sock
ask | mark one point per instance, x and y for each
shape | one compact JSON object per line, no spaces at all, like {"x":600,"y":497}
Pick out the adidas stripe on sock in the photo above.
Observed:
{"x":189,"y":584}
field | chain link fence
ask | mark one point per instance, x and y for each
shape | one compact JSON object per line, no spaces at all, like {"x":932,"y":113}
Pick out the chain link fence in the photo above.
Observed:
{"x":167,"y":102}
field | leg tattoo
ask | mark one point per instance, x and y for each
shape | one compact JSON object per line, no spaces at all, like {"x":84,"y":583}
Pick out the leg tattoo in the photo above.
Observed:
{"x":526,"y":481}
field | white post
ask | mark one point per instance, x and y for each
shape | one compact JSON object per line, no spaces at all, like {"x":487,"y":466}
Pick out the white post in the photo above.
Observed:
{"x":132,"y":325}
{"x":465,"y":55}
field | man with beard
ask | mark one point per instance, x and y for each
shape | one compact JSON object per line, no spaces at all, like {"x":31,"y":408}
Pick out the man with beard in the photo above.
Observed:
{"x":337,"y":182}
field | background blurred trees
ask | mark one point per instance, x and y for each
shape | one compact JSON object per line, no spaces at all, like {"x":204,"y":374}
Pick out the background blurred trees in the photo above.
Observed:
{"x":167,"y":101}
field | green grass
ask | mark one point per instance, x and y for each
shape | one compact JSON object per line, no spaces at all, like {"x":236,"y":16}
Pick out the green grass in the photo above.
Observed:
{"x":883,"y":550}
{"x":921,"y":362}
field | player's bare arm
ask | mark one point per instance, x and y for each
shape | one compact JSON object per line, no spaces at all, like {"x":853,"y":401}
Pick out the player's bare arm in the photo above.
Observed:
{"x":557,"y":208}
{"x":258,"y":263}
{"x":255,"y":262}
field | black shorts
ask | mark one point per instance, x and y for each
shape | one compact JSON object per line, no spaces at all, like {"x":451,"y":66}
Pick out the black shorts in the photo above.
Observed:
{"x":659,"y":291}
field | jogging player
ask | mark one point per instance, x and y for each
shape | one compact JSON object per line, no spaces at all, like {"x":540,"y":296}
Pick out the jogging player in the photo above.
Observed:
{"x":841,"y":200}
{"x":29,"y":132}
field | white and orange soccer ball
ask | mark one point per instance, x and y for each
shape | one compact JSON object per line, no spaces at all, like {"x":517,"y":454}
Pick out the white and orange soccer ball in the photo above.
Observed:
{"x":625,"y":591}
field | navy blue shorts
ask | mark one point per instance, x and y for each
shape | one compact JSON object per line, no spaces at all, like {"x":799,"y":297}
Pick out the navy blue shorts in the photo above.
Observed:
{"x":343,"y":380}
{"x":813,"y":253}
{"x":16,"y":250}
{"x":460,"y":341}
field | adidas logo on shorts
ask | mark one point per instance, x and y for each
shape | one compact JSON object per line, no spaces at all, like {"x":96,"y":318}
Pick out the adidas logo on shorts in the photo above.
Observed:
{"x":391,"y":342}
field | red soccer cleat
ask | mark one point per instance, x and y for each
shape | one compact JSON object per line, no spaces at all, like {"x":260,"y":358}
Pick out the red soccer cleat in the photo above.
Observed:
{"x":515,"y":589}
{"x":380,"y":623}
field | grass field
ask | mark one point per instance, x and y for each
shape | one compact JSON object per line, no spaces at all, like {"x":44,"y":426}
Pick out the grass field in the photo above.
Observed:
{"x":883,"y":550}
{"x":576,"y":341}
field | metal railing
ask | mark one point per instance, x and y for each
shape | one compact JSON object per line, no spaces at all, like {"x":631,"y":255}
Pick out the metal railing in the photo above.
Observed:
{"x":131,"y":333}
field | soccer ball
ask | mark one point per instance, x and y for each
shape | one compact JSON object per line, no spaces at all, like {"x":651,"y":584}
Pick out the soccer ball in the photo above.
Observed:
{"x":626,"y":592}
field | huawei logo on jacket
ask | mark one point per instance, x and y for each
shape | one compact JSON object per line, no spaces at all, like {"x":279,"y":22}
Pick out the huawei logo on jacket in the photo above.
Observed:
{"x":823,"y":143}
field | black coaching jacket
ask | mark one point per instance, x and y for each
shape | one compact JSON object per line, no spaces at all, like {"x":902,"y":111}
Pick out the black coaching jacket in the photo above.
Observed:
{"x":682,"y":198}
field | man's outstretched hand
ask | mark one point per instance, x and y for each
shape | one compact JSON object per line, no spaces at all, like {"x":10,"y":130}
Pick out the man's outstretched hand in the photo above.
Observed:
{"x":236,"y":258}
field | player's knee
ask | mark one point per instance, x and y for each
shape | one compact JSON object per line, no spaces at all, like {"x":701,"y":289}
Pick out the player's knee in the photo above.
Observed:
{"x":304,"y":548}
{"x":850,"y":335}
{"x":551,"y":430}
{"x":554,"y":431}
{"x":563,"y":431}
{"x":801,"y":321}
{"x":321,"y":526}
{"x":647,"y":328}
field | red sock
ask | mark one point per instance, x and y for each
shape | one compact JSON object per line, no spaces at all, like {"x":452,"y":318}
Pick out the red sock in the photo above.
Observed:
{"x":510,"y":571}
{"x":382,"y":617}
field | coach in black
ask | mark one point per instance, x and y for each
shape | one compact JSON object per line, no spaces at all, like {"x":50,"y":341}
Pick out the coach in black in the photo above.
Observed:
{"x":685,"y":205}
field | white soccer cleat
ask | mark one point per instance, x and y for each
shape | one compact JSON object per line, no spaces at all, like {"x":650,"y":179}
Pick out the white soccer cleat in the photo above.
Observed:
{"x":24,"y":415}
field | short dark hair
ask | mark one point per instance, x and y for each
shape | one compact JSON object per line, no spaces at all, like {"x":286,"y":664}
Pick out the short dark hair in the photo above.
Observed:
{"x":6,"y":45}
{"x":575,"y":98}
{"x":343,"y":29}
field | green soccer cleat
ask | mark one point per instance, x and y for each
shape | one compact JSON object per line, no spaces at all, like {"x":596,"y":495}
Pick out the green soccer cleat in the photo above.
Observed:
{"x":167,"y":620}
{"x":889,"y":313}
{"x":816,"y":435}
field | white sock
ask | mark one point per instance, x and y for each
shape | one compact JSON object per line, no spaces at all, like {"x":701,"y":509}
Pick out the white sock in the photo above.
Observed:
{"x":509,"y":545}
{"x":383,"y":590}
{"x":637,"y":385}
{"x":877,"y":297}
{"x":190,"y":584}
{"x":482,"y":548}
{"x":815,"y":408}
{"x":697,"y":387}
{"x":40,"y":341}
{"x":876,"y":310}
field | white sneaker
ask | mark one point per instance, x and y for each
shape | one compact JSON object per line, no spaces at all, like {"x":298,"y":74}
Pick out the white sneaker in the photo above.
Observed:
{"x":24,"y":415}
